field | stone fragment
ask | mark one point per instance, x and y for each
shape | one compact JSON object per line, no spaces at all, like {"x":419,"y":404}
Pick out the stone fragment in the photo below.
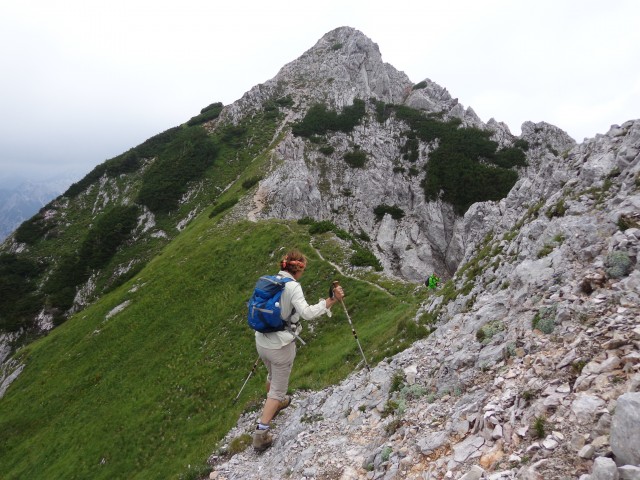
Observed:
{"x":585,"y":406}
{"x":468,"y":448}
{"x":629,"y":472}
{"x":432,"y":442}
{"x":625,"y":430}
{"x":604,"y":469}
{"x":475,"y":473}
{"x":587,"y":452}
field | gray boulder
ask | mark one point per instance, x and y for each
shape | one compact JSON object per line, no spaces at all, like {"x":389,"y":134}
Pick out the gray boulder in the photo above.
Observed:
{"x":625,"y":430}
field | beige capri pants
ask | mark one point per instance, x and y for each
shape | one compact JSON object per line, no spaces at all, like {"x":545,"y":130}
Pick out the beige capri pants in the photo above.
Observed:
{"x":279,"y":362}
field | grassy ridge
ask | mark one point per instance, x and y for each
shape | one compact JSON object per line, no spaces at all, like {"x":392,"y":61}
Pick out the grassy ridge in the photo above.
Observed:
{"x":148,"y":391}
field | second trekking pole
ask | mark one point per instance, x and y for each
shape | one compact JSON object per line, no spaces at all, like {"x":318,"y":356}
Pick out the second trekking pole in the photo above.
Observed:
{"x":255,"y":365}
{"x":335,"y":285}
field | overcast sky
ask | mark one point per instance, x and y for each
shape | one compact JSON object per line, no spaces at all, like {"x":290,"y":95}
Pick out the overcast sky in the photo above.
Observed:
{"x":83,"y":81}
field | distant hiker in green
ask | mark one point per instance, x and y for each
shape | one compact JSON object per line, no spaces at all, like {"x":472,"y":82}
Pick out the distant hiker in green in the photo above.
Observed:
{"x":432,"y":281}
{"x":278,"y":349}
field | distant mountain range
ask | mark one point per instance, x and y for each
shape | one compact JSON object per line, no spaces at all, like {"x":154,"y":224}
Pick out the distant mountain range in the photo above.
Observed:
{"x":20,"y":199}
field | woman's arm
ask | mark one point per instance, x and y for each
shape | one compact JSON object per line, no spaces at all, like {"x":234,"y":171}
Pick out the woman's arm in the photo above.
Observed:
{"x":307,"y":311}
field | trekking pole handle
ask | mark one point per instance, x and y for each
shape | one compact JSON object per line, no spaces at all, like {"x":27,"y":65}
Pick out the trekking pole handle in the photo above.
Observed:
{"x":335,"y":284}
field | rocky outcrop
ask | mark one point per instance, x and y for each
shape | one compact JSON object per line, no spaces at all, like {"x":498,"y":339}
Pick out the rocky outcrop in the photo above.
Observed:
{"x":345,"y":65}
{"x":532,"y":373}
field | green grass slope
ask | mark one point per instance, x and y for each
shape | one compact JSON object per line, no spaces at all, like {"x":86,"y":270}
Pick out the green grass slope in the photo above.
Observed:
{"x":147,"y":392}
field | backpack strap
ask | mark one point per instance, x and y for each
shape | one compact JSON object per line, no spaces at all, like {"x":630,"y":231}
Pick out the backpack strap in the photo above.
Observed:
{"x":287,"y":321}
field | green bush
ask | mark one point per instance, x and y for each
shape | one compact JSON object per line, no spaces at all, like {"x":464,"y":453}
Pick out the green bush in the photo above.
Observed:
{"x":100,"y":244}
{"x":184,"y":160}
{"x":108,"y":233}
{"x":617,"y":264}
{"x":488,"y":331}
{"x":221,"y":207}
{"x":364,"y":258}
{"x":356,"y":159}
{"x":240,"y":444}
{"x":557,"y":210}
{"x":521,"y":144}
{"x":510,"y":157}
{"x":381,"y":210}
{"x":128,"y":162}
{"x":32,"y":230}
{"x":324,"y":226}
{"x":410,"y":150}
{"x":208,"y":113}
{"x":627,"y":221}
{"x":319,"y":120}
{"x":250,"y":182}
{"x":420,"y":85}
{"x":383,"y":111}
{"x":285,"y":101}
{"x":465,"y":167}
{"x":544,"y":320}
{"x":18,"y":300}
{"x":326,"y":150}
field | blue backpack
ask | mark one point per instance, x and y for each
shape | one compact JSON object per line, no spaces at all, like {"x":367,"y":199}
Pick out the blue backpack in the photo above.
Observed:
{"x":264,"y":304}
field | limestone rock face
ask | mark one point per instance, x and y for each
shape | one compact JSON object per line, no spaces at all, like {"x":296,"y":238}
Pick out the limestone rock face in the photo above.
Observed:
{"x":343,"y":66}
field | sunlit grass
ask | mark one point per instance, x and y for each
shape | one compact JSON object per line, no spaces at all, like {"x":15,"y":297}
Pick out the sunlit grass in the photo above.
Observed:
{"x":149,"y":391}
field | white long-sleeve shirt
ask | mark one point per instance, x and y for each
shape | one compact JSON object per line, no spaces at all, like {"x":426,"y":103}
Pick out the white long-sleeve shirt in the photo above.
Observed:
{"x":292,"y":297}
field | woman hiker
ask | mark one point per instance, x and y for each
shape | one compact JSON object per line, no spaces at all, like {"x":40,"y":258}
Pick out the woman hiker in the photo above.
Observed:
{"x":278,"y":349}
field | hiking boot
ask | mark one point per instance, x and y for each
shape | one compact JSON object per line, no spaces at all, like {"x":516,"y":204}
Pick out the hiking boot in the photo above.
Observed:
{"x":284,"y":403}
{"x":262,"y":440}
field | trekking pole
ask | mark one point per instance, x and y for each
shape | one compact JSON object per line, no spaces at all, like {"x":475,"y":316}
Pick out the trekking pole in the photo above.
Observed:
{"x":255,"y":365}
{"x":335,"y":285}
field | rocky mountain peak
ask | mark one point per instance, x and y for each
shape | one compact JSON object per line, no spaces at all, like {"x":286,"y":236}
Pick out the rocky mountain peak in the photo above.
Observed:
{"x":532,"y":371}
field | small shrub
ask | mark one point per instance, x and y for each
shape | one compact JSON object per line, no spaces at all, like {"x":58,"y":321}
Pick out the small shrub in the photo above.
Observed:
{"x":396,"y":382}
{"x":386,"y":453}
{"x":528,"y":395}
{"x":210,"y":112}
{"x":578,"y":365}
{"x":557,"y":210}
{"x":617,"y":264}
{"x":539,"y":426}
{"x":392,"y":426}
{"x":326,"y":150}
{"x":487,"y":331}
{"x":627,"y":221}
{"x":363,"y":236}
{"x":389,"y":408}
{"x":414,"y":391}
{"x":324,"y":226}
{"x":356,"y":159}
{"x":544,"y":320}
{"x":221,"y":207}
{"x":364,"y":258}
{"x":240,"y":444}
{"x":521,"y":144}
{"x":250,"y":182}
{"x":546,"y":250}
{"x":381,"y":210}
{"x":420,"y":85}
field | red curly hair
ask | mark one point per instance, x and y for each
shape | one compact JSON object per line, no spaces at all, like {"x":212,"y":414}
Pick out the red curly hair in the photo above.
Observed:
{"x":293,"y":262}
